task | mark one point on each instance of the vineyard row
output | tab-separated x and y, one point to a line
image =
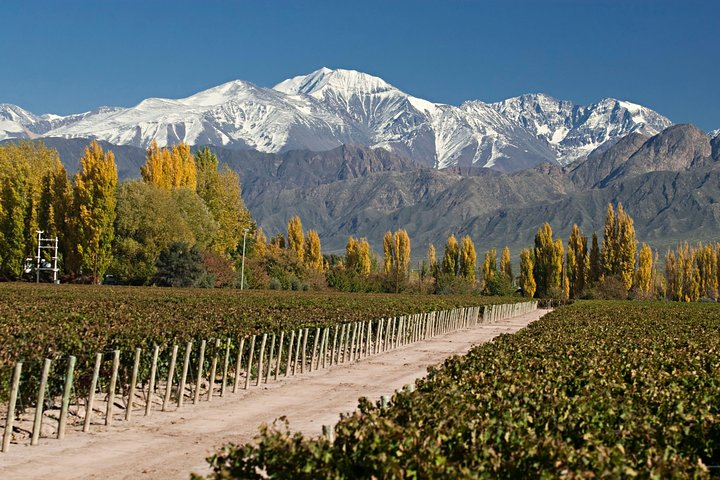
143	380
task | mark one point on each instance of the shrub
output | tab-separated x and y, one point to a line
179	265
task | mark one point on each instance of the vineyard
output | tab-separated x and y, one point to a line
160	348
611	389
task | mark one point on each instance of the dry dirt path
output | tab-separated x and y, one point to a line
173	444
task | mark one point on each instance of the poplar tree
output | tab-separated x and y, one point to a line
260	242
468	260
619	245
400	257
220	189
689	278
595	264
506	264
548	263
432	260
296	238
94	206
489	266
357	256
643	276
609	248
388	252
527	280
672	280
169	168
449	262
577	262
626	247
313	251
706	261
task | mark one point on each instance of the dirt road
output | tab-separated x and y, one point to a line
173	444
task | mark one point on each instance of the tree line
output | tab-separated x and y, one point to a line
184	223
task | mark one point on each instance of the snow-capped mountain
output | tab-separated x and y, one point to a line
573	131
328	108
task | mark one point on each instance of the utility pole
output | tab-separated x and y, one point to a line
242	268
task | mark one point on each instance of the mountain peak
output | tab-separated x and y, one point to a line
346	81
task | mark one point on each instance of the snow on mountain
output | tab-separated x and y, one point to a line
14	122
327	108
573	131
714	133
435	134
236	113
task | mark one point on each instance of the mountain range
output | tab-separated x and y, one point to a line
353	155
328	108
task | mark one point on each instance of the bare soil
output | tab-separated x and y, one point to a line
174	444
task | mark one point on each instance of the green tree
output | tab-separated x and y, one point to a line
150	218
220	190
179	265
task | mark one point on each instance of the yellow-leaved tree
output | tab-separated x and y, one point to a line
357	256
296	238
506	264
527	280
468	260
170	168
489	266
548	262
432	260
313	251
643	276
396	249
449	262
94	206
577	262
260	242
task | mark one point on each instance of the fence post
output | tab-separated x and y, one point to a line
304	350
66	397
183	377
334	344
314	349
213	371
297	351
151	384
290	353
270	358
40	405
250	362
201	361
260	362
238	364
171	373
226	364
91	394
280	351
133	383
111	388
7	434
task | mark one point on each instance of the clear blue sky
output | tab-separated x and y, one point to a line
70	56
